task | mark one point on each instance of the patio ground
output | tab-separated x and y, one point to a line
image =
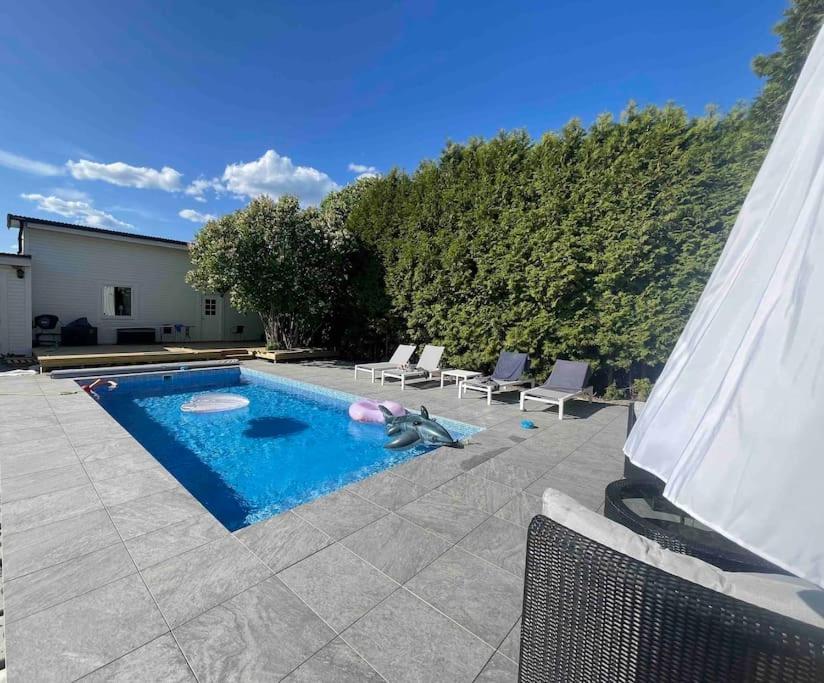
112	570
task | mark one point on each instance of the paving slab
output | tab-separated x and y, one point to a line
159	660
50	586
170	541
283	540
50	544
335	662
481	597
263	634
404	639
188	584
80	635
387	490
396	546
339	513
338	585
443	515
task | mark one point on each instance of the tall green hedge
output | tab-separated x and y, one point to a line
590	243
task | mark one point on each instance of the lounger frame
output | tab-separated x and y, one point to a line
555	400
503	385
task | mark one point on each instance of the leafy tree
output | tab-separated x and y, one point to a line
797	32
277	260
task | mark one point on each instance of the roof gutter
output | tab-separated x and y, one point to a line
12	223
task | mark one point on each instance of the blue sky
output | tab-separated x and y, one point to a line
147	117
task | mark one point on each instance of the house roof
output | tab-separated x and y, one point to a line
11	218
8	254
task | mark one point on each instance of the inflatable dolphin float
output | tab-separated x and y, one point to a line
410	430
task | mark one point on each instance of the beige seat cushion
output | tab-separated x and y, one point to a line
786	595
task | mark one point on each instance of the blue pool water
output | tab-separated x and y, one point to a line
293	443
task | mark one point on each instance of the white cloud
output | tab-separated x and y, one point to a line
196	216
18	163
276	175
197	188
69	193
124	175
362	168
76	209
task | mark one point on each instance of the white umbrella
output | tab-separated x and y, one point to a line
735	424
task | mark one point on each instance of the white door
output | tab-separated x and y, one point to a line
211	317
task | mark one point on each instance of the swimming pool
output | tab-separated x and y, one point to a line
293	443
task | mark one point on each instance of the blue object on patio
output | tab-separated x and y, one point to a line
527	424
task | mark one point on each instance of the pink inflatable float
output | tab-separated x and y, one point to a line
368	411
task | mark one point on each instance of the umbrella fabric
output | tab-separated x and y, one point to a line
735	424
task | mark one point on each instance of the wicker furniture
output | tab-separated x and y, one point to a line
592	613
639	506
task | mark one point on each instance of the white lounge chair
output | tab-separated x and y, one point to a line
508	374
428	366
568	380
400	358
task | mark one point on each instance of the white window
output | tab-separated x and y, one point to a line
209	306
117	301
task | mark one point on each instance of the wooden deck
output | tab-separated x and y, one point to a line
126	354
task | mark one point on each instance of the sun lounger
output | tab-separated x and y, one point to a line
568	380
508	374
400	358
428	366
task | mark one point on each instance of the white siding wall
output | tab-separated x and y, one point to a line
15	309
69	270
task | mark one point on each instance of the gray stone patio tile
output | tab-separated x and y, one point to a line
43	481
26	423
50	544
23	435
478	492
159	660
426	471
340	513
387	490
499	669
405	639
56	645
511	647
334	662
534	460
191	583
108	448
443	515
515	475
28	513
34	456
396	547
260	635
282	540
173	540
338	585
482	598
521	509
153	512
121	465
136	485
48	587
499	542
88	433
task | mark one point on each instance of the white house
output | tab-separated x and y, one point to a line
15	304
117	280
